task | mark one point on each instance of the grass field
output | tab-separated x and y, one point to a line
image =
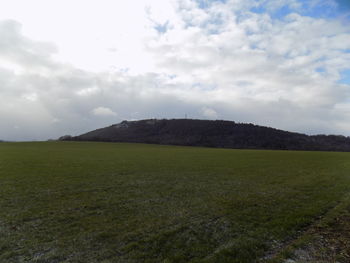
110	202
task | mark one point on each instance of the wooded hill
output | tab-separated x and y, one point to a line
223	134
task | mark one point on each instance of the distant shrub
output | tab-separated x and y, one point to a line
65	138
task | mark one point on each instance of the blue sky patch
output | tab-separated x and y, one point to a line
345	77
320	70
206	3
258	9
282	12
279	13
162	28
322	9
204	87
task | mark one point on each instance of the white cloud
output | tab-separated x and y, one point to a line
31	97
209	113
103	111
88	91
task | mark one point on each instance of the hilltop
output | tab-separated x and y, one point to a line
208	133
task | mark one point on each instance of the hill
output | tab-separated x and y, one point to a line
219	133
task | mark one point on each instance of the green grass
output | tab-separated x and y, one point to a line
111	202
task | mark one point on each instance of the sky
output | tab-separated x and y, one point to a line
68	67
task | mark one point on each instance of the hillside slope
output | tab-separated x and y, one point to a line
223	134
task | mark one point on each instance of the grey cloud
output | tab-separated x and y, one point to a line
16	48
38	106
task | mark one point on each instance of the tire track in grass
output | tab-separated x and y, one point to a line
325	240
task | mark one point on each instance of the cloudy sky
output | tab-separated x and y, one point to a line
67	67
